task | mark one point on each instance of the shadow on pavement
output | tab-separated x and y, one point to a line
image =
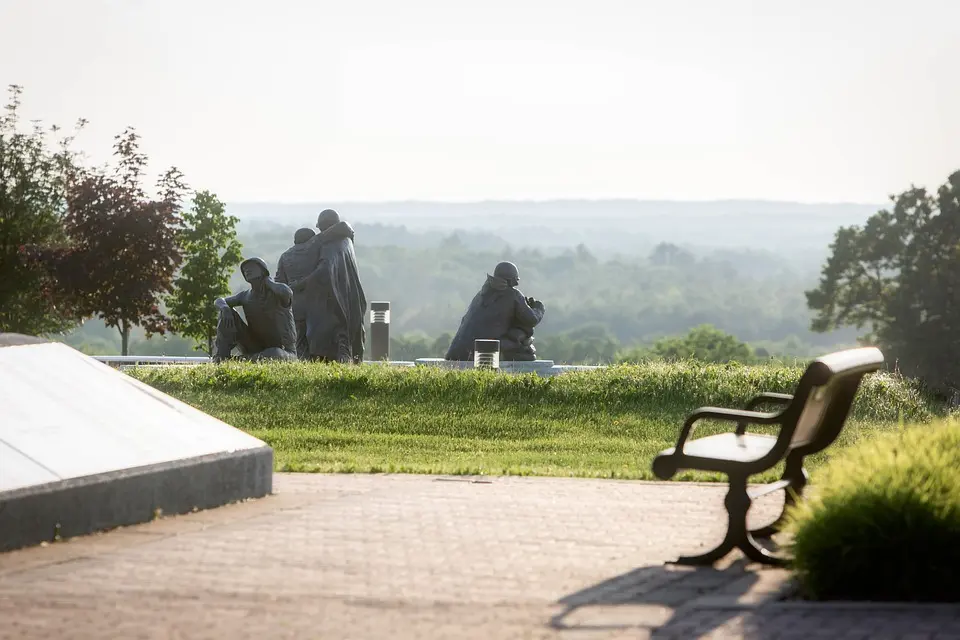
660	599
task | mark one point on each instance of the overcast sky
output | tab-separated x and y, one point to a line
297	100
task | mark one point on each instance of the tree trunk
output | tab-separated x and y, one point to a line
124	337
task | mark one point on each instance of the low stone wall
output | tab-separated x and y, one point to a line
540	367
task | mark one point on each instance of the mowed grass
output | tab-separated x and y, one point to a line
603	423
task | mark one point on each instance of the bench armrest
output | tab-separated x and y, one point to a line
740	416
764	398
769	398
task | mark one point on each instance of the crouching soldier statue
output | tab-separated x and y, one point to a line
499	312
269	332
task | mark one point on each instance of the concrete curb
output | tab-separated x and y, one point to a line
79	506
776	589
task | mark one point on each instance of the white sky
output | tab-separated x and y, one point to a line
293	100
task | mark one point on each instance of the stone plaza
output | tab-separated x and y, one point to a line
404	556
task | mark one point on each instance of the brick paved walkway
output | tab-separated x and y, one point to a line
358	556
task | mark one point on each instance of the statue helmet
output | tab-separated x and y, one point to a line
508	271
327	218
302	235
257	261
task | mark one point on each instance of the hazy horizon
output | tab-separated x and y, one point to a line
374	101
549	200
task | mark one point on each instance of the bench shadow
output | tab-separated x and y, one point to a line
661	599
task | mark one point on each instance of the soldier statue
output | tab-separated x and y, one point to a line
269	331
499	311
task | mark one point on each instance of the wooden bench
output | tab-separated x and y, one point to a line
810	421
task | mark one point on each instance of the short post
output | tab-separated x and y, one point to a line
379	331
486	354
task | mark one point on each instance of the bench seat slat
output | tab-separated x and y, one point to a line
762	490
729	447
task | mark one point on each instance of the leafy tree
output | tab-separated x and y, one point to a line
410	347
590	344
122	250
417	345
166	345
211	249
706	343
899	277
441	344
669	254
32	205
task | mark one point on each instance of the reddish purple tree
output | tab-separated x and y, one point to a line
122	249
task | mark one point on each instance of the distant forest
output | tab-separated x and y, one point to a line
616	283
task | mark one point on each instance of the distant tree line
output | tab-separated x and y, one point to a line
594	344
627	301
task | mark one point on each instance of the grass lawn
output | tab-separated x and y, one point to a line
605	423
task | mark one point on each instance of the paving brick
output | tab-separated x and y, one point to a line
360	556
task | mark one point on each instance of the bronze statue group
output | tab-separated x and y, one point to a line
314	309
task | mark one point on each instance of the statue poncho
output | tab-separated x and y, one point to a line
498	312
333	300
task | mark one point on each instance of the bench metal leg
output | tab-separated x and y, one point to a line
797	475
737	503
757	553
710	557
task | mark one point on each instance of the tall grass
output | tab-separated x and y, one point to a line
608	422
882	521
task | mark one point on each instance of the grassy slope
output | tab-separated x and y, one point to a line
607	423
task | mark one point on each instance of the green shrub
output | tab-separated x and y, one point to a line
882	521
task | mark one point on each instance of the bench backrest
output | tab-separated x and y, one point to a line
824	397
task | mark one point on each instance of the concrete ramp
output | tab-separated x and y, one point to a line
84	447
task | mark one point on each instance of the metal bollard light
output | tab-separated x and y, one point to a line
379	330
486	354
